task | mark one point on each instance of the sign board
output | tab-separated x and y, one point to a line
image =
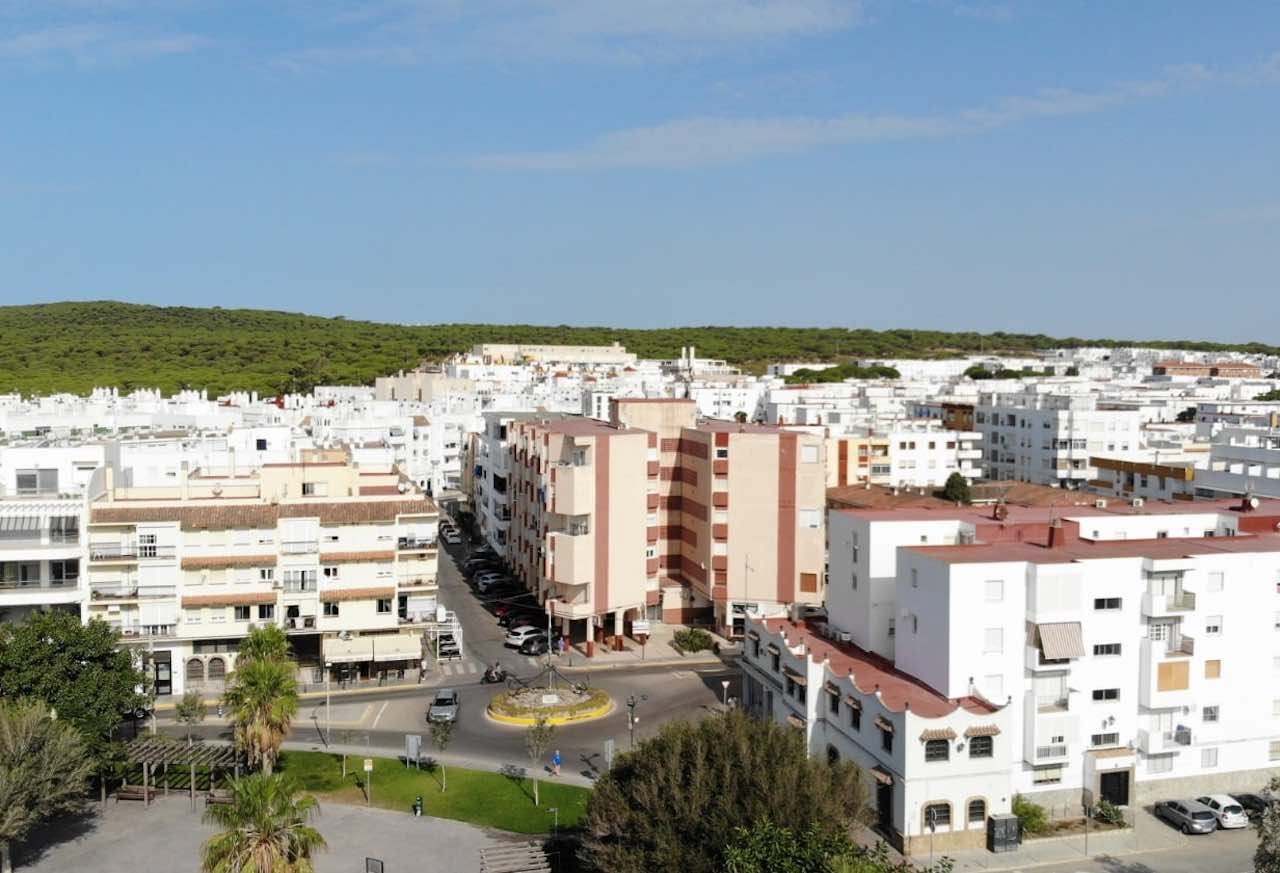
551	699
640	627
373	865
412	747
368	765
608	753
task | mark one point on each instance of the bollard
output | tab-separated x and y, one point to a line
417	806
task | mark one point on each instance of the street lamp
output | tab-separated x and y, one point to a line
631	719
724	683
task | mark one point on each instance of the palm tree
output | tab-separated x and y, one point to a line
266	643
262	699
264	829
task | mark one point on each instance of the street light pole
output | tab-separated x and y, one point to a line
724	683
328	723
631	719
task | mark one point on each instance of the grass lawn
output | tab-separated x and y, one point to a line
490	799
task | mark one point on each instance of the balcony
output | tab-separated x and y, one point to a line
1166	671
417	581
1050	753
300	623
122	591
572	558
1036	661
1162	742
1047	703
574	490
416	544
1168	604
146	631
299	586
299	547
113	551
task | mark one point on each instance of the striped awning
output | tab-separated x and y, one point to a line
852	702
1061	640
774	650
881	775
16	523
884	724
795	676
938	734
982	730
794	720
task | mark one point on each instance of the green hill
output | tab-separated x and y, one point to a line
73	347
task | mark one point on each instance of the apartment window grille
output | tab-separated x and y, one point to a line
1209	758
146	545
1106	603
977	811
331	609
1047	775
981	747
1209	714
1106	649
937	750
1107	739
938	815
1106	694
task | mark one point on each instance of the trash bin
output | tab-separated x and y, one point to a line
1003	833
417	806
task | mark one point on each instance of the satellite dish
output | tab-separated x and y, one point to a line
1254	503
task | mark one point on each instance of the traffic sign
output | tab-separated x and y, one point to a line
368	765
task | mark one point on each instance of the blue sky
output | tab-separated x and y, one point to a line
1077	168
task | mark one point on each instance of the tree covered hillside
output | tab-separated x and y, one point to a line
46	348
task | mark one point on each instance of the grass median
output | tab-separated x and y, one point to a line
497	800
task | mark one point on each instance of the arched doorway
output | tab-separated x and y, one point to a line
195	672
217	670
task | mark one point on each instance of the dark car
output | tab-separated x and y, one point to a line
515	618
535	645
1254	804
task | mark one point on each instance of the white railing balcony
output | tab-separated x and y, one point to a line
300	623
146	631
118	551
1166	604
1050	752
299	547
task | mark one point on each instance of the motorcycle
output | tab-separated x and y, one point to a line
493	675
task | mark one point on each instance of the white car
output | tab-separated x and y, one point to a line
451	536
1229	813
517	635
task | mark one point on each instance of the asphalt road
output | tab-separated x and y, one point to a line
1219	852
379	719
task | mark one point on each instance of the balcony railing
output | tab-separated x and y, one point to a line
299	547
416	582
113	592
112	551
415	543
300	587
1058	751
37	584
1052	703
301	622
135	631
1182	601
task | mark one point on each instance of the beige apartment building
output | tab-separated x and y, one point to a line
659	516
341	557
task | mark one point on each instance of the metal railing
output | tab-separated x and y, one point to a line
32	584
301	622
299	547
1052	703
1182	601
415	543
110	551
1059	751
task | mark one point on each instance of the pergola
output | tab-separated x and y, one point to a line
152	752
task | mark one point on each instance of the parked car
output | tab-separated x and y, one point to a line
1229	813
489	582
516	619
475	566
1188	816
444	707
517	635
535	645
1254	804
447	648
451	537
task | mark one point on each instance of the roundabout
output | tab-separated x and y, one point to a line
558	703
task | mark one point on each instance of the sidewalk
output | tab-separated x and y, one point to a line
657	651
1148	834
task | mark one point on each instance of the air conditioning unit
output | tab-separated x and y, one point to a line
846	637
1099	504
1137	502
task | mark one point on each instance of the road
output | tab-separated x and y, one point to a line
379	719
1219	852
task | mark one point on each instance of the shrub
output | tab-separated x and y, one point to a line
1108	813
1031	816
692	640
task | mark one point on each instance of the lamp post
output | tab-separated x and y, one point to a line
631	719
724	684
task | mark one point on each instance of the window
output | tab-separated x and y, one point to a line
981	747
855	581
331	609
261	445
722	454
1273	751
1160	764
1107	739
37	482
809	454
937	815
1101	603
1276	621
811	518
1215	582
993	641
994	590
1106	649
915	578
384	605
937	750
886	740
977	811
1212	669
892	627
329	572
755	648
242	613
1209	758
315	489
651	552
1209	714
855	717
833	703
266	610
266	574
1213	625
833	754
1047	775
1106	694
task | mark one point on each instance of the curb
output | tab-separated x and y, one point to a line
319	695
521	721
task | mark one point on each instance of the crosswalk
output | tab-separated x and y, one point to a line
521	665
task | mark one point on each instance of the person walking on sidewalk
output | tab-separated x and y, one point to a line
560	644
555	763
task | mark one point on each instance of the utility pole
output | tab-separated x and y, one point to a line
631	719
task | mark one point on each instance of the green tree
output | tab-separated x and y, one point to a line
877	859
441	734
766	847
77	669
537	739
43	769
265	643
1268	396
264	829
674	803
262	699
190	710
1266	858
957	489
1031	816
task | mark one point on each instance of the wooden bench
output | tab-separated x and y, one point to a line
135	792
217	798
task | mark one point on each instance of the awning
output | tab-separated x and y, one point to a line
150	613
982	730
1061	640
753	635
794	720
832	689
16	523
339	651
795	676
938	734
853	702
773	649
881	775
334	595
397	647
884	724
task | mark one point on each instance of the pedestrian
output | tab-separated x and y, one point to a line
560	644
555	763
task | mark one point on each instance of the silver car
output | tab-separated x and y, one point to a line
1188	816
444	707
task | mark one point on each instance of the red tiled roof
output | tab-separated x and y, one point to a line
262	515
218	562
336	594
1085	550
355	557
871	673
228	599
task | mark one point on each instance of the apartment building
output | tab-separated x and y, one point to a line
1049	439
42	513
1208	369
660	516
342	558
1129	653
915	455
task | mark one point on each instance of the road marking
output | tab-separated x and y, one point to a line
378	717
682	674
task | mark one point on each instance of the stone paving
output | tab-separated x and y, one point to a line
128	838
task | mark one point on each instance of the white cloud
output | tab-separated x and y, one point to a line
722	140
93	43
